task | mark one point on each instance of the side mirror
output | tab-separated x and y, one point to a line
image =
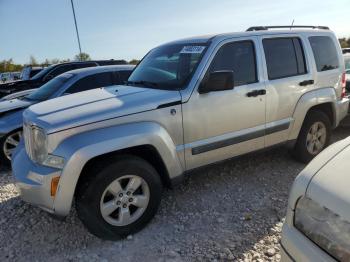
217	81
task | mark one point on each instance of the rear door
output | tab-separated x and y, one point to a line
288	77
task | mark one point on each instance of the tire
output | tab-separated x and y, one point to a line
4	160
303	147
95	193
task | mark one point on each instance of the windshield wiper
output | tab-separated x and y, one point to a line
143	83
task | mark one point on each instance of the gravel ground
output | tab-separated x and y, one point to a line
229	211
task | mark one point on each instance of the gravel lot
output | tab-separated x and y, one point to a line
230	211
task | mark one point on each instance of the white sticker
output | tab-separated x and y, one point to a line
192	49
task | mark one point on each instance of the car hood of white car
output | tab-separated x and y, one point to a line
97	105
330	187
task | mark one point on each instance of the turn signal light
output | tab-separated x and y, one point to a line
54	185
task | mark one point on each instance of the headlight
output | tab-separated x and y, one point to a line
35	139
39	144
325	228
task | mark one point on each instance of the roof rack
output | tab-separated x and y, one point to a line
260	28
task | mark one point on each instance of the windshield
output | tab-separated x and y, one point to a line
168	67
48	89
42	72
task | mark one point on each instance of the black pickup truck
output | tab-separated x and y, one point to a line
50	72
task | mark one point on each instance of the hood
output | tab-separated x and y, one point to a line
97	105
9	88
330	187
7	106
15	83
18	94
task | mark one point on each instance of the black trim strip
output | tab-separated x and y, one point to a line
239	139
278	128
175	103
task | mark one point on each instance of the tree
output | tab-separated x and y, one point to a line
54	61
32	60
344	42
82	57
134	62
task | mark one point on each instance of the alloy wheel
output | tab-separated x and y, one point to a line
11	142
124	200
316	138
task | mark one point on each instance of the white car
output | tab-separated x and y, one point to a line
317	226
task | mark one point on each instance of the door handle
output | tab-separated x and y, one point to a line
307	82
256	93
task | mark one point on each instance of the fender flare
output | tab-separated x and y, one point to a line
79	149
307	101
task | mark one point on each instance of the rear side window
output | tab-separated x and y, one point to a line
325	53
284	57
240	58
91	82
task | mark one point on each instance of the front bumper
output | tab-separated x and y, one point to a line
342	109
297	247
33	181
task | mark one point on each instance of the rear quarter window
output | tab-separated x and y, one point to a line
325	53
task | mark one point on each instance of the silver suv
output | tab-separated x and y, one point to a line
189	103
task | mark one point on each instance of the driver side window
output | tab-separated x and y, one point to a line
238	57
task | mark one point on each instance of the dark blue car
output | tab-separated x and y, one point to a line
68	83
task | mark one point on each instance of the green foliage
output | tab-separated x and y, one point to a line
9	66
134	62
82	57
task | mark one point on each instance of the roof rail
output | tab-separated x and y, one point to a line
260	28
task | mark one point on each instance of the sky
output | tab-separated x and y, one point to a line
129	29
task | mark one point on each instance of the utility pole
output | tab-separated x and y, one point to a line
76	29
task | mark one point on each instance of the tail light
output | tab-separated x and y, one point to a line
343	85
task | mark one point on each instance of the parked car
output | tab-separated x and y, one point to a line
48	73
346	50
5	76
187	104
30	71
9	76
67	83
317	226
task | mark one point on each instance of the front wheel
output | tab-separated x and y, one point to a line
8	144
314	136
119	199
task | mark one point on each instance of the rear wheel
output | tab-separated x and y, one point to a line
8	144
314	136
119	199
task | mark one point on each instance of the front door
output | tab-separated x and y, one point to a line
222	124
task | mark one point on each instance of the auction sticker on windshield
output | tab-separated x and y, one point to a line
192	49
